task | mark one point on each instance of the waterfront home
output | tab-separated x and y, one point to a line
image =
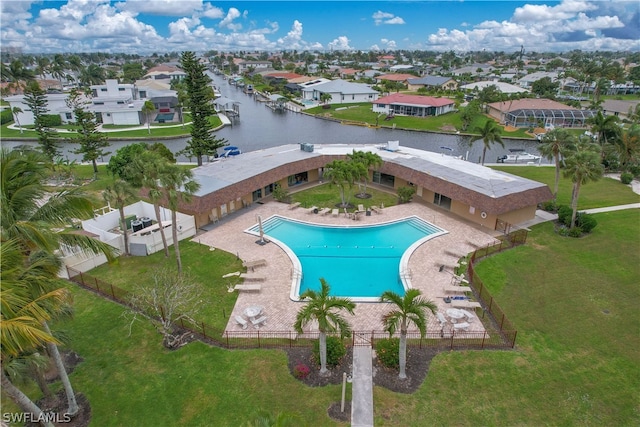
413	105
528	113
341	91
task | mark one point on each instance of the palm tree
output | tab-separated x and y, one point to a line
489	134
605	127
408	309
147	108
15	111
554	144
119	194
582	165
16	74
24	312
178	185
369	160
325	310
343	174
151	166
35	224
628	147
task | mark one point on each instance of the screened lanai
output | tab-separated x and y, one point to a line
556	117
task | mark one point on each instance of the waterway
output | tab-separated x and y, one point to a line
259	127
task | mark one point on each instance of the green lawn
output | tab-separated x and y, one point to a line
328	195
361	112
604	192
157	130
204	267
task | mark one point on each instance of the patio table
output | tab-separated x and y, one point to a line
253	311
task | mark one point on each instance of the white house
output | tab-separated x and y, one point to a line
413	105
56	104
254	65
341	91
117	103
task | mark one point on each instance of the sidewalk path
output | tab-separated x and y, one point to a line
362	387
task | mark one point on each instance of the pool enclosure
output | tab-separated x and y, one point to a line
523	118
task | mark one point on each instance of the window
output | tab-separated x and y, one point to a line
103	89
268	189
121	102
121	89
299	178
257	194
68	116
383	179
442	201
98	103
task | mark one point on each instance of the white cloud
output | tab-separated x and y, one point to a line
340	43
389	44
227	22
161	7
387	18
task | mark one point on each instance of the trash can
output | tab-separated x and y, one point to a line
368	212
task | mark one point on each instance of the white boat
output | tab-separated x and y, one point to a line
518	155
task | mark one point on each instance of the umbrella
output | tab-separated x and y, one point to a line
446	148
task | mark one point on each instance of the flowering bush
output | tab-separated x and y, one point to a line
301	371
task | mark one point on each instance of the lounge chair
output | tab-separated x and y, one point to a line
313	209
361	208
255	288
461	326
375	209
441	319
325	211
454	288
249	277
255	263
259	321
242	322
294	205
335	212
468	315
465	304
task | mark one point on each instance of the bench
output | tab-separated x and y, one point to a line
259	321
242	322
452	288
248	288
441	319
294	205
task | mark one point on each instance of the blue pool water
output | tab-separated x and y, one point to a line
359	262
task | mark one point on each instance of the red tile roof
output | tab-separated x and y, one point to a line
393	77
400	98
287	76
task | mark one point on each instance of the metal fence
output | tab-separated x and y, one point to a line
499	332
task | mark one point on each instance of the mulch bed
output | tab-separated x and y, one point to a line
418	361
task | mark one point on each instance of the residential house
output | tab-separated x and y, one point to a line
395	77
56	104
432	82
247	66
528	80
117	103
500	86
474	70
619	108
166	72
413	105
531	113
341	91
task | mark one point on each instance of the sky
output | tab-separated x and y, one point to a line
148	26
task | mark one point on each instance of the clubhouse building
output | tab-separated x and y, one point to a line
493	199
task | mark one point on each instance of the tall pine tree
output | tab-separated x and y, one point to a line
36	98
92	143
200	94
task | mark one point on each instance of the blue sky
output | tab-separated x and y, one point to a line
146	26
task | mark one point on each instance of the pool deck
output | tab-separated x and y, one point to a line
424	264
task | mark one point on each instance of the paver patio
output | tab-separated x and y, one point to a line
424	264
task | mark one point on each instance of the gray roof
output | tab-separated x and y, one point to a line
492	183
429	80
341	86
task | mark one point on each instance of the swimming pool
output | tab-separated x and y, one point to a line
359	262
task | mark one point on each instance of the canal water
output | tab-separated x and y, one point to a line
259	127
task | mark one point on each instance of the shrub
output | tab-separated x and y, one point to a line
51	120
301	371
550	206
586	222
279	193
575	232
405	194
335	351
626	178
388	352
564	215
6	117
